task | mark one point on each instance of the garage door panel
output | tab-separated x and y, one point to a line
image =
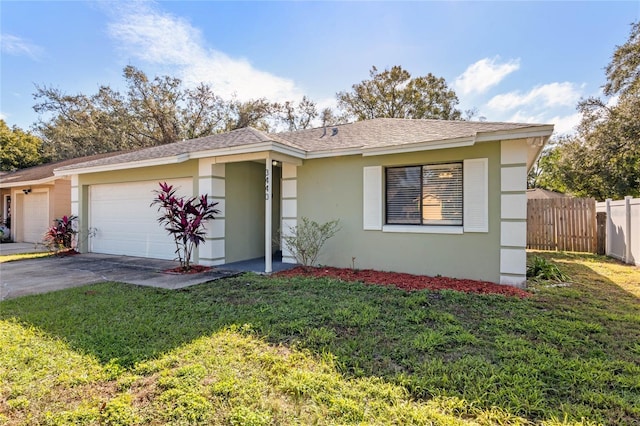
125	223
35	216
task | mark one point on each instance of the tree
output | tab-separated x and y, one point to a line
299	117
254	113
152	112
18	149
603	159
394	94
623	73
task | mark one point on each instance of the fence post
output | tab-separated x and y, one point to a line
601	232
609	226
627	230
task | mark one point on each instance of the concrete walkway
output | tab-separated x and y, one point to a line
42	275
19	248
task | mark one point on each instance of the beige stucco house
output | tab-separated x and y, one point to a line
419	196
33	197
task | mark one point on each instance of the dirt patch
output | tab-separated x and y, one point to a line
404	281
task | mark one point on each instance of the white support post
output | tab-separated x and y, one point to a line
627	229
268	177
609	228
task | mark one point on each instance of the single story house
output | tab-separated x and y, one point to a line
544	194
31	198
419	196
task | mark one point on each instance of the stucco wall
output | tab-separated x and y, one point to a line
244	215
333	188
60	199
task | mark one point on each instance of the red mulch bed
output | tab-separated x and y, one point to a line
66	252
195	269
404	281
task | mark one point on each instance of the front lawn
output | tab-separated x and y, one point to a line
255	350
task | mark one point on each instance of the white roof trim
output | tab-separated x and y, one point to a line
419	146
247	149
180	158
45	181
523	133
333	153
174	159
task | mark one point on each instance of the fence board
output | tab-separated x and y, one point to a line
565	224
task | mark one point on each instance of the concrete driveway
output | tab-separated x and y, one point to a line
33	276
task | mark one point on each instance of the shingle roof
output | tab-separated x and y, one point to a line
235	138
376	133
382	132
43	172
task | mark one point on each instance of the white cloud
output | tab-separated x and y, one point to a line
565	125
13	45
166	40
562	124
484	74
613	101
549	95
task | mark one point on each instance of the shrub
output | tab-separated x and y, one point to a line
184	219
541	269
61	236
307	238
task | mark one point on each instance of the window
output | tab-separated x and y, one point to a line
424	195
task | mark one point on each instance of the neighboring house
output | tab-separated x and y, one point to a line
544	194
419	196
32	198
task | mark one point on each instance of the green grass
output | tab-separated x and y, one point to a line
253	350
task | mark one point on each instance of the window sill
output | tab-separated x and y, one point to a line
417	229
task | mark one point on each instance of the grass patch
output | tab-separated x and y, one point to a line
259	350
23	256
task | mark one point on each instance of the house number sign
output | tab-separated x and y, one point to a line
266	184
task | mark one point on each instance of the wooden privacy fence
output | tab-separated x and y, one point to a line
566	224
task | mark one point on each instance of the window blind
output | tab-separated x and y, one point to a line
424	195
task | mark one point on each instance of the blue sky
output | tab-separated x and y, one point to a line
513	61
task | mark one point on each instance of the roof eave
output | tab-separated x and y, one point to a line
174	159
180	158
43	181
520	133
248	149
419	146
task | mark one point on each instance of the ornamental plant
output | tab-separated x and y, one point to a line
306	239
61	236
184	219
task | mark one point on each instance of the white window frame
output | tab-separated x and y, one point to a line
457	168
475	202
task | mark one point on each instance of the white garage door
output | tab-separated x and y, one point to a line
35	216
126	224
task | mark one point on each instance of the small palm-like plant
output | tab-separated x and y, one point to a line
61	236
184	219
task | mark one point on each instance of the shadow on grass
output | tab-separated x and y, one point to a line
568	350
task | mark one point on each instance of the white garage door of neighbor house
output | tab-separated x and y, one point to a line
124	222
35	216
